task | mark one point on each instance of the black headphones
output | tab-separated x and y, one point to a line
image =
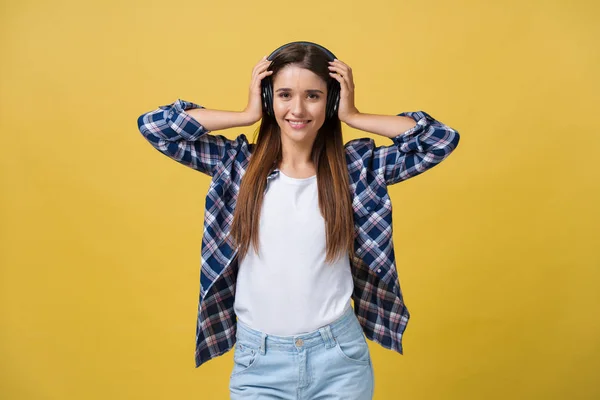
333	87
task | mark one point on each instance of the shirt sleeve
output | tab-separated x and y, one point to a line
176	134
415	151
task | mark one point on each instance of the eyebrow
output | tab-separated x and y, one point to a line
306	91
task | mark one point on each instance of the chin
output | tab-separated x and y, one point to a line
297	135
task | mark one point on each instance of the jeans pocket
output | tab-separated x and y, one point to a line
353	348
244	358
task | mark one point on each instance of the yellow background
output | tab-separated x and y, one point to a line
497	248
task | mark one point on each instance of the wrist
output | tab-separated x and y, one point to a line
351	119
245	119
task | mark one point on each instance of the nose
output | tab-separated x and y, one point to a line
297	107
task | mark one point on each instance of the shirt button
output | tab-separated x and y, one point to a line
368	208
379	270
299	342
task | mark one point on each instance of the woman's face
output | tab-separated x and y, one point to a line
299	95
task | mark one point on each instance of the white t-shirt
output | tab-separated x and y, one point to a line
290	289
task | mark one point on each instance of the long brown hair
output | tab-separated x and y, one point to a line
328	156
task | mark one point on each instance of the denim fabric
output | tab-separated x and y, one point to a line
332	362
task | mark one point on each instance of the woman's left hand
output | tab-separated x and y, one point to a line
343	74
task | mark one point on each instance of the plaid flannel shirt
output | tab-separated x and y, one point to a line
377	297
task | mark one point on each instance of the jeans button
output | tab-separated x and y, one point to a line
299	342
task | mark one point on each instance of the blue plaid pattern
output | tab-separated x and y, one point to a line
377	297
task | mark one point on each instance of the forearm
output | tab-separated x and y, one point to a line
214	120
385	125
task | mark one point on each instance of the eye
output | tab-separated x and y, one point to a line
286	95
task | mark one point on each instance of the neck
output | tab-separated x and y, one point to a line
296	155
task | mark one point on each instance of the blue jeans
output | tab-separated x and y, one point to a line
332	362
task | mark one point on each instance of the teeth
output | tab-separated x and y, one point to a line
298	122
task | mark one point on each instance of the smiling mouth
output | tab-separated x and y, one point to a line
298	124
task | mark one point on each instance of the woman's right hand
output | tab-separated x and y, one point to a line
254	108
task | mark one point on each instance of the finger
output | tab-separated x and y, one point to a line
346	74
262	62
347	81
258	78
340	79
336	69
339	69
263	74
336	61
264	65
260	67
343	73
339	64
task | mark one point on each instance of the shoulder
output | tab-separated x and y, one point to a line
361	153
239	146
358	148
362	164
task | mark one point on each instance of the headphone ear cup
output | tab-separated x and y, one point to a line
267	95
336	101
333	99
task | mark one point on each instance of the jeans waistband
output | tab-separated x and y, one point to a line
263	341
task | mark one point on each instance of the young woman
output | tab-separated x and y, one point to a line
297	253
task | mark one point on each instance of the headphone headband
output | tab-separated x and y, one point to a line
329	53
